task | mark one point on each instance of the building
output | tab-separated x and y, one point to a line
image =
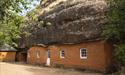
93	55
7	53
73	32
37	55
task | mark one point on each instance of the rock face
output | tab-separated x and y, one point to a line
68	21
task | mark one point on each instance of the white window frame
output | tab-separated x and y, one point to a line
61	56
38	54
83	57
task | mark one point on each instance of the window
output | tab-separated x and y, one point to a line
83	53
48	53
62	54
38	54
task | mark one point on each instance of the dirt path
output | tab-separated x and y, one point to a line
13	69
20	69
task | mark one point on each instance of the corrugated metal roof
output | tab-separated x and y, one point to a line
7	47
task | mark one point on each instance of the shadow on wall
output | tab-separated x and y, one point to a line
21	57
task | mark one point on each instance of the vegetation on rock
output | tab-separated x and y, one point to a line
115	29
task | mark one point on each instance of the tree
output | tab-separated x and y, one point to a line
115	30
10	30
8	7
10	20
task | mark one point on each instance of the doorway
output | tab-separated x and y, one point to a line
48	58
22	57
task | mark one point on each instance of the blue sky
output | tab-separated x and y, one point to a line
31	7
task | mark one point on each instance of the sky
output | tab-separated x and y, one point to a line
31	7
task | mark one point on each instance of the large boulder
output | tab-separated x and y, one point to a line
68	21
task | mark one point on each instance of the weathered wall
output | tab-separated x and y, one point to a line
109	50
32	56
7	56
98	57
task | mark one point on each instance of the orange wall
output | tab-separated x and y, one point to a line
96	55
99	55
32	56
7	56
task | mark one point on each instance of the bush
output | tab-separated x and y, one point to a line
115	28
120	54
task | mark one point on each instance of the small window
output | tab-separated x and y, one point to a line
38	54
83	53
62	54
48	53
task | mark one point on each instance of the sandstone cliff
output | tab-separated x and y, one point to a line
67	21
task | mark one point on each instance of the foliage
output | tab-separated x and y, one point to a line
116	27
10	21
30	21
120	53
115	30
32	15
8	7
9	31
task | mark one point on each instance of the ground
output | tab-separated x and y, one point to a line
25	69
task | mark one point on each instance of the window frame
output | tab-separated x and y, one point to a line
48	54
61	54
83	57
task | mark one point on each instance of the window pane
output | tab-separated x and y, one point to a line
48	53
62	54
83	53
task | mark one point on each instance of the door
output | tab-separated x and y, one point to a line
48	58
22	57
